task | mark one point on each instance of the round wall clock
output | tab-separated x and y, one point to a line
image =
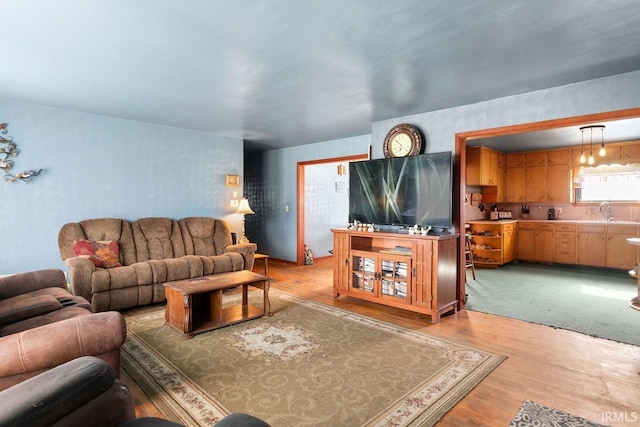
402	140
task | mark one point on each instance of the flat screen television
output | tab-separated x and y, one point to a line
403	191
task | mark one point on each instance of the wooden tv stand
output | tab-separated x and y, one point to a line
412	272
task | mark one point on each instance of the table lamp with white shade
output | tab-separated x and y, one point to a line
244	209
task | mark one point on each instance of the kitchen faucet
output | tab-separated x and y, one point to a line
608	205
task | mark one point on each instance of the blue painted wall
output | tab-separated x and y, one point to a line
278	190
98	167
593	96
607	94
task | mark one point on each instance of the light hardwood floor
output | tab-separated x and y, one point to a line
590	377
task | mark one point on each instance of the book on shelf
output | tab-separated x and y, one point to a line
399	250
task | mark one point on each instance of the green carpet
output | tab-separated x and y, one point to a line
591	301
307	365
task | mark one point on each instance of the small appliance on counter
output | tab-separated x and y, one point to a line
554	214
493	214
504	215
524	213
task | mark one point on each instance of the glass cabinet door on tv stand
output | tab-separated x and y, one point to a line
379	275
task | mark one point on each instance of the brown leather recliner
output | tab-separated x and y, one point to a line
83	392
43	325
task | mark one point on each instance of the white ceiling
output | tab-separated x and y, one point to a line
280	73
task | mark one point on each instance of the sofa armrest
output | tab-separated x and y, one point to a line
247	250
30	352
84	391
23	283
80	271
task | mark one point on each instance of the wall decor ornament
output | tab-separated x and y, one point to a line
9	149
233	180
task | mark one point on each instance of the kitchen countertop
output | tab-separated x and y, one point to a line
560	221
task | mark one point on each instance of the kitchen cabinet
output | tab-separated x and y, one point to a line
558	184
515	160
535	241
631	152
496	193
514	184
618	252
535	184
501	187
591	245
492	242
526	242
558	157
482	166
415	273
607	246
565	244
535	158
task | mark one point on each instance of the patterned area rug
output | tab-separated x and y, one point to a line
532	414
307	365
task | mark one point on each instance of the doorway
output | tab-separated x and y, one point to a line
460	167
333	186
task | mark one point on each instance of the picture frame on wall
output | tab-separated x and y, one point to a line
233	180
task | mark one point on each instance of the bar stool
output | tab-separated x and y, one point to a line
468	255
635	302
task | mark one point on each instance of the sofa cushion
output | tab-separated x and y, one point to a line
157	238
205	236
25	306
44	319
103	253
98	229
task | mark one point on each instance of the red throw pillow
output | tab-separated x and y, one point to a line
103	253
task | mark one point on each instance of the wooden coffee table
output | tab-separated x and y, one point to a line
195	305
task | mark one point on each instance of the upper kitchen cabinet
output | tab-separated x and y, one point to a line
558	176
535	178
514	185
558	157
630	153
482	166
538	177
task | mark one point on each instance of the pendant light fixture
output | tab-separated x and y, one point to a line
591	160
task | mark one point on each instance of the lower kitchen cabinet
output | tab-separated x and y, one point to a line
607	246
591	245
619	253
493	243
535	241
565	244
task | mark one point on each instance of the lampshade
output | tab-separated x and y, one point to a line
244	208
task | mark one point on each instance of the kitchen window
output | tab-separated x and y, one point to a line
616	183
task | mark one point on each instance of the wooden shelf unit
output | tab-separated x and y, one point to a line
422	278
492	242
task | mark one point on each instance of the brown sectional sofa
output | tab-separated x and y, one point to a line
152	251
42	325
